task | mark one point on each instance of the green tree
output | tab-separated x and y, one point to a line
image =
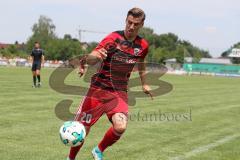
165	46
169	41
43	32
13	51
148	34
4	52
62	49
67	37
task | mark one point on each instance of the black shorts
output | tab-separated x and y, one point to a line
36	66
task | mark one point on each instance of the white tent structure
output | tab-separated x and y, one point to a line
235	53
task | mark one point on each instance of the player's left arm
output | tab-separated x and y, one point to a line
31	58
142	73
42	59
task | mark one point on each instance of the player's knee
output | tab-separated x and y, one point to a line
120	128
119	122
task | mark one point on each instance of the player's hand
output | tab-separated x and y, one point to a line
146	89
103	53
81	71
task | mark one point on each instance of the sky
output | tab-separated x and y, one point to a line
212	25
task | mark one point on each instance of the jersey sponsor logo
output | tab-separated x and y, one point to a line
124	60
136	51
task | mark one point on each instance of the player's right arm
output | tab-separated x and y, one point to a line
93	58
96	56
31	57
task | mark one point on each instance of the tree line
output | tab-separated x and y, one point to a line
162	46
166	46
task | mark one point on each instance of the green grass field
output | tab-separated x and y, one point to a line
29	126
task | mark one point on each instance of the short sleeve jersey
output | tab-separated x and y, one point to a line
122	55
37	54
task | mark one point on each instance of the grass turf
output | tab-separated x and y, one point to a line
205	110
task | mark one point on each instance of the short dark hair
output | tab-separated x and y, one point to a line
137	13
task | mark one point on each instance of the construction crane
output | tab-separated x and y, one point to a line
80	31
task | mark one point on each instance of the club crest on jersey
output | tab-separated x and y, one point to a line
136	51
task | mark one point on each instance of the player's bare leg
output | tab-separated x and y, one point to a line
38	78
34	79
74	150
113	134
120	121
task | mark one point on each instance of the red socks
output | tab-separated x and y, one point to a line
109	138
74	151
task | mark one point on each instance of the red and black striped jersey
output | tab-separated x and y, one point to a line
122	55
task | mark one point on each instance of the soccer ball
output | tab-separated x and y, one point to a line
72	133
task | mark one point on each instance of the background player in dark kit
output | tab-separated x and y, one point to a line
37	57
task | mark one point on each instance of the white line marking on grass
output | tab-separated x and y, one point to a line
205	148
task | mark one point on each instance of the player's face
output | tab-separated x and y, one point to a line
37	45
132	26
